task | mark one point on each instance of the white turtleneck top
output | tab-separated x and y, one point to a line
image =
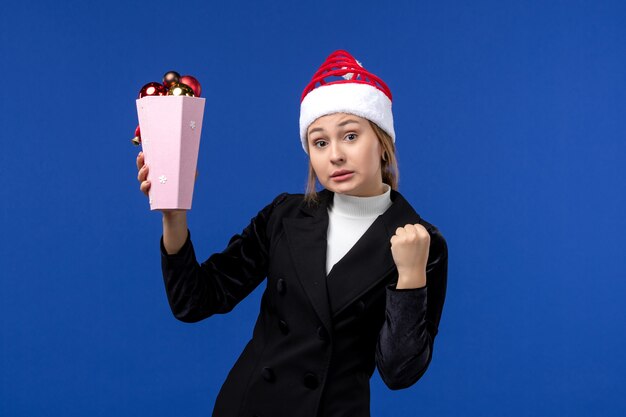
348	219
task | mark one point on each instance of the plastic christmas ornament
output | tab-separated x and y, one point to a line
153	89
193	83
137	139
180	89
170	78
173	85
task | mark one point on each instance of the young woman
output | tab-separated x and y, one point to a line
356	279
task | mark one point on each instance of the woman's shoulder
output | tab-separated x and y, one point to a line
437	240
285	205
408	207
299	200
287	200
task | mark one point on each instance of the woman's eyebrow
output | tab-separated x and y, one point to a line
345	122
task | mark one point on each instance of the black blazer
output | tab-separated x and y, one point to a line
317	338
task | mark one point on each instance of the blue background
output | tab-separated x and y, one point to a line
510	133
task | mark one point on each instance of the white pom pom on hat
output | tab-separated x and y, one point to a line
359	92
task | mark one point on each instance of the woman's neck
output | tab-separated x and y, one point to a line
354	206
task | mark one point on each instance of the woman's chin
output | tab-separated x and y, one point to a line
339	188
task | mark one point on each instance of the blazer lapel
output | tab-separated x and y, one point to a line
369	261
306	237
365	265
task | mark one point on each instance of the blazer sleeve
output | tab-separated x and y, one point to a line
405	342
197	291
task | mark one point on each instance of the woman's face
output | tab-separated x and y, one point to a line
345	154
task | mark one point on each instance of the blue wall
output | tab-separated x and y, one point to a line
511	127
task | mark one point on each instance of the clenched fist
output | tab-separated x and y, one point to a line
409	248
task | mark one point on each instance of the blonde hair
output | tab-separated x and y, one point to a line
388	166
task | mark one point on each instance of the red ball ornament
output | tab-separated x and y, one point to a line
170	78
180	89
153	89
193	83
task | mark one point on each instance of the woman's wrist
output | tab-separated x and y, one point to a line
172	216
412	280
174	230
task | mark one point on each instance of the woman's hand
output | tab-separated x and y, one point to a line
409	248
142	176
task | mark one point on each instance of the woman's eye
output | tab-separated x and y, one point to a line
351	136
320	144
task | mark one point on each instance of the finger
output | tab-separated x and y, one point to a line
145	187
400	231
421	231
140	160
142	175
412	230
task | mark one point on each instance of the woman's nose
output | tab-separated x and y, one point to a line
336	153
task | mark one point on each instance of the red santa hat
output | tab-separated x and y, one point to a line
342	85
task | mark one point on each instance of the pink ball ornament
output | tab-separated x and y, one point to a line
193	83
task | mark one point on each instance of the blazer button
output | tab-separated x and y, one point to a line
311	381
322	333
283	326
359	307
268	375
281	286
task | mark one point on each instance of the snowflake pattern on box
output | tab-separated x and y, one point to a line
192	125
163	179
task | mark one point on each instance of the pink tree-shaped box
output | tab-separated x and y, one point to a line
170	137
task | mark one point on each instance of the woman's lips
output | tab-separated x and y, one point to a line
342	177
